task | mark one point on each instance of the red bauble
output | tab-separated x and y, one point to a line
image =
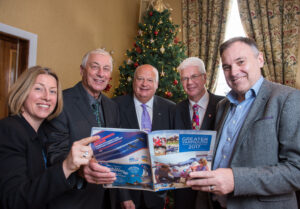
150	13
175	82
107	88
155	33
168	94
176	40
136	64
138	50
134	44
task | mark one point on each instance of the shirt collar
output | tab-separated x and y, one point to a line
149	104
202	102
252	92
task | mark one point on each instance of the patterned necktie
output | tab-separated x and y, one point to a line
196	121
146	121
96	113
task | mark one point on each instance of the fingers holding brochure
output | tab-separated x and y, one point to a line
98	174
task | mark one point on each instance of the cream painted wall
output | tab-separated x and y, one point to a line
68	29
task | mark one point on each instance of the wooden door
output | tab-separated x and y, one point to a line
13	61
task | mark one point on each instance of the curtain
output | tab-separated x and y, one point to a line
274	25
203	32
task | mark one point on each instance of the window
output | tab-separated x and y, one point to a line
233	28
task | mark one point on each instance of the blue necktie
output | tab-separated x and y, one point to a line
146	121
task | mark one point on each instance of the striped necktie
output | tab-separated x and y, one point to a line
196	118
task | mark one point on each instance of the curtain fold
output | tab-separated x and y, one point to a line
274	25
203	32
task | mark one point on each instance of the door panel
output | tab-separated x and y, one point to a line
13	61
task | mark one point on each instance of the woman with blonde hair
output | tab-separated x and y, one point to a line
25	179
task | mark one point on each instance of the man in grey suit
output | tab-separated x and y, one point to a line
145	84
193	79
257	155
84	107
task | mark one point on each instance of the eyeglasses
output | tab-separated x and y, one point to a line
192	78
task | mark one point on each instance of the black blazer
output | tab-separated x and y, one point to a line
24	181
74	123
185	198
161	120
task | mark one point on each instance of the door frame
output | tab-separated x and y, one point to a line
25	35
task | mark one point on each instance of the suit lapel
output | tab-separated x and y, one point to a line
208	116
156	118
81	102
131	115
220	124
107	111
185	114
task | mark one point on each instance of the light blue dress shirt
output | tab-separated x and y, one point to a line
234	121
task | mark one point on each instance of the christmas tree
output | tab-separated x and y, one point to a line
156	44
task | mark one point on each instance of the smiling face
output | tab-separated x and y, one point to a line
241	67
193	82
41	100
96	74
145	83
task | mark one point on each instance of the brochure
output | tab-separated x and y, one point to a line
159	160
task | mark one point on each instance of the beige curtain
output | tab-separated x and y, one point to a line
274	25
203	32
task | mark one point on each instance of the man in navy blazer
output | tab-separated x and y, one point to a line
193	79
257	155
144	87
84	107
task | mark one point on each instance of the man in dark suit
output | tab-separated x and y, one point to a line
159	109
84	107
193	79
257	155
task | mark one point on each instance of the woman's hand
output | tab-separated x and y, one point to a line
80	154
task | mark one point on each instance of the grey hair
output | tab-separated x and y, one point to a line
96	51
192	61
154	68
250	42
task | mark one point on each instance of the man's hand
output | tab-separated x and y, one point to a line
128	204
97	174
219	181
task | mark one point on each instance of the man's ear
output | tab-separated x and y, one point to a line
261	59
81	70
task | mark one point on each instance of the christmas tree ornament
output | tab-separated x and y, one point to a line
151	40
151	13
176	40
175	82
107	88
162	74
129	61
136	64
168	94
155	33
162	49
159	5
138	50
129	79
140	32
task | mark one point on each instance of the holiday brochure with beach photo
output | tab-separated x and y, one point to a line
159	160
